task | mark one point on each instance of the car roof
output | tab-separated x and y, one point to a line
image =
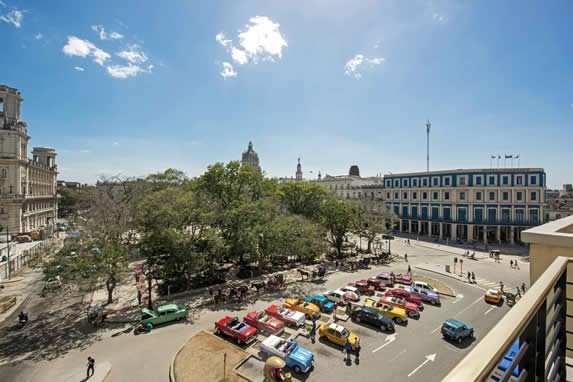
336	327
272	341
456	323
319	298
148	311
163	308
492	291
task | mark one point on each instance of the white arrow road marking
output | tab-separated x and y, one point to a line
389	339
458	298
490	309
429	357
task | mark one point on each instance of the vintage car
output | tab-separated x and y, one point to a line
406	295
296	357
163	314
367	315
425	286
241	332
426	295
325	305
395	313
264	323
363	287
411	309
493	295
289	317
386	278
310	310
336	296
337	334
354	294
456	330
379	285
403	279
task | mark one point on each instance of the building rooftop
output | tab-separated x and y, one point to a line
466	170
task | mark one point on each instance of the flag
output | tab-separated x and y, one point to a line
508	156
498	156
517	156
493	157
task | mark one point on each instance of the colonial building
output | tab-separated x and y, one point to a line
28	199
251	157
559	203
350	186
488	205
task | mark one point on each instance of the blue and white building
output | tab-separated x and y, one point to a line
485	205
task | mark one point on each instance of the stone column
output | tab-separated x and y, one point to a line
485	234
419	228
409	226
498	233
511	234
454	231
441	231
470	232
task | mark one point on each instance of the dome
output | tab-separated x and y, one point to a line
354	171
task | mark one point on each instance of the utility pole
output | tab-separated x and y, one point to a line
428	125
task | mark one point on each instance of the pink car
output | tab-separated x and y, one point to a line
411	309
403	279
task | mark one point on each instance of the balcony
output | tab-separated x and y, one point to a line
539	326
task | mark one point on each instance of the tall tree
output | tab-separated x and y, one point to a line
339	218
374	219
303	198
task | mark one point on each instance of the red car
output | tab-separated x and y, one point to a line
264	322
411	309
376	283
241	332
363	287
403	279
398	292
289	317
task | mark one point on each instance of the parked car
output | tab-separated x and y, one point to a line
325	305
387	278
309	310
241	332
363	287
406	295
397	314
264	323
403	279
295	356
53	283
493	295
336	296
456	330
425	286
289	317
163	314
373	317
426	295
354	294
378	284
411	309
337	334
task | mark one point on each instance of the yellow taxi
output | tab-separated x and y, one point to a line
395	313
493	295
337	334
309	309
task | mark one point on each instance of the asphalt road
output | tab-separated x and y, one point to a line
411	353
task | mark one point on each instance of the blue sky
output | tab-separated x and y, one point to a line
130	87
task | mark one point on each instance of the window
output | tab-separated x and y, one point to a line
462	215
505	180
405	195
519	180
414	195
519	195
447	181
396	183
415	183
424	212
425	182
533	180
478	195
462	181
478	215
435	213
405	182
533	217
519	216
491	215
424	195
336	186
3	173
478	180
414	212
387	195
462	195
505	215
435	181
491	180
397	210
446	195
404	211
447	214
533	195
492	195
348	195
396	195
435	195
505	195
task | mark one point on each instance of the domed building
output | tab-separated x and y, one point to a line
251	157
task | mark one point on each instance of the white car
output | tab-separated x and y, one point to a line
352	289
336	296
295	356
424	286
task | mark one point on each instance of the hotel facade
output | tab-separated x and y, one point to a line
475	205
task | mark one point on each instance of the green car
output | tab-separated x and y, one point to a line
163	314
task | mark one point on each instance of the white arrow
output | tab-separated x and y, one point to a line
459	298
389	339
429	357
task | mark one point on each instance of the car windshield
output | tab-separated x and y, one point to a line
345	333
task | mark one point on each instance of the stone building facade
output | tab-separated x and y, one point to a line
28	198
559	203
251	157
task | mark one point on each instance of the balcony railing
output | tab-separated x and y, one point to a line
539	323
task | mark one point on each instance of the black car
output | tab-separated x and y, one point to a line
372	317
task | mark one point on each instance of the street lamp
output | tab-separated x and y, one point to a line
7	248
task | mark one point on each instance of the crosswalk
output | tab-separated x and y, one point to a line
495	285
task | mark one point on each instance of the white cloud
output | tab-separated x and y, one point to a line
133	54
129	70
351	68
262	39
439	18
13	17
220	38
79	69
103	35
84	151
38	36
239	56
227	70
116	143
84	48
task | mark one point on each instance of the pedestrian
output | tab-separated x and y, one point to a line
511	263
91	366
348	350
409	270
501	286
313	331
406	257
139	297
357	351
336	263
523	287
334	318
516	265
473	277
469	277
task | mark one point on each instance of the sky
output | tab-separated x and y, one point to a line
133	87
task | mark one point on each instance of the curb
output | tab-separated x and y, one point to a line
439	249
443	274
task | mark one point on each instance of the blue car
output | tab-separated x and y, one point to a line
296	357
325	305
456	330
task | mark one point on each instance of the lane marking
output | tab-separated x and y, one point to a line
429	357
389	339
458	298
490	309
397	355
469	306
435	330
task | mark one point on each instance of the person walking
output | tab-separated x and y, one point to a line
501	286
139	297
511	264
357	351
473	277
347	350
523	287
313	331
91	367
409	270
469	277
334	318
406	257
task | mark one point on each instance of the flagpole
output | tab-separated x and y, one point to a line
498	158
